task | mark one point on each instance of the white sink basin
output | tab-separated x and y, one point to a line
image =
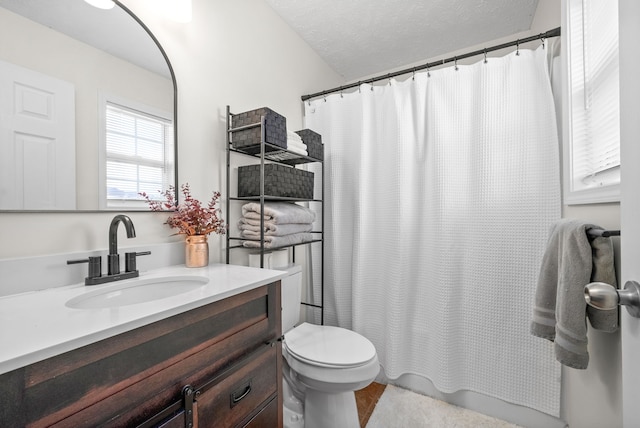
136	291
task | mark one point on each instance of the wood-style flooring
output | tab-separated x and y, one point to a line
366	400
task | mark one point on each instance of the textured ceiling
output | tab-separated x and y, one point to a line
358	38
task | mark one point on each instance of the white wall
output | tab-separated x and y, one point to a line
233	52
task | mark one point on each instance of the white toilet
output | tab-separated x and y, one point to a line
322	366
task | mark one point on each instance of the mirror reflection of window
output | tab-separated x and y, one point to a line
139	153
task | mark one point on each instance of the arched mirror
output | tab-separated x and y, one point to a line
87	108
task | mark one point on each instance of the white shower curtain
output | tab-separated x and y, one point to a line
439	194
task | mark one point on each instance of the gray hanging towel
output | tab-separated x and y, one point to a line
603	271
570	262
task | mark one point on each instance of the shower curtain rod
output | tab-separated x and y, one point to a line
551	33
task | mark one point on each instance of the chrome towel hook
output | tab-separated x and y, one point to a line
601	295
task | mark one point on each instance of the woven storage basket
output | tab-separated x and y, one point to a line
248	140
313	140
279	180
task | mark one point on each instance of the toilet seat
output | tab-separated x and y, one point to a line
328	346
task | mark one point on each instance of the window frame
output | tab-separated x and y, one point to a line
602	194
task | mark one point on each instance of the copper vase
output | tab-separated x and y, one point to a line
196	251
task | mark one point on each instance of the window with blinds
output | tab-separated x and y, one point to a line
139	155
593	101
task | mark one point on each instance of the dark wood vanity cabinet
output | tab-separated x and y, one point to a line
215	366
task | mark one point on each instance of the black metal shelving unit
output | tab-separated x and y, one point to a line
266	153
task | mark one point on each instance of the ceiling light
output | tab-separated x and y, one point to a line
102	4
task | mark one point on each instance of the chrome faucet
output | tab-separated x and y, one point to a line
113	259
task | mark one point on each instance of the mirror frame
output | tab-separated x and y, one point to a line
175	130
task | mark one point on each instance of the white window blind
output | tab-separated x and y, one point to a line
593	81
139	154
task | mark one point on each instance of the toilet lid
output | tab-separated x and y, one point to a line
328	346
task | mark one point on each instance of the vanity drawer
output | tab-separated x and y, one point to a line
235	395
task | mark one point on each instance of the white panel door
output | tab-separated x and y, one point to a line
37	141
629	11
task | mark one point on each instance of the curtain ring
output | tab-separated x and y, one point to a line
414	74
428	72
485	55
456	63
309	102
542	39
518	47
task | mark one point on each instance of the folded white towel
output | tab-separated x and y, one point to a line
293	136
280	241
296	144
298	151
279	212
295	141
250	230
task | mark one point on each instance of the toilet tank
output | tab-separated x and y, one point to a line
291	295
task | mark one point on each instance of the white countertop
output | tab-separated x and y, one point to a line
38	325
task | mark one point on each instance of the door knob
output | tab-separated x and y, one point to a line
604	296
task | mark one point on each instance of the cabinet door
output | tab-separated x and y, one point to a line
240	395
